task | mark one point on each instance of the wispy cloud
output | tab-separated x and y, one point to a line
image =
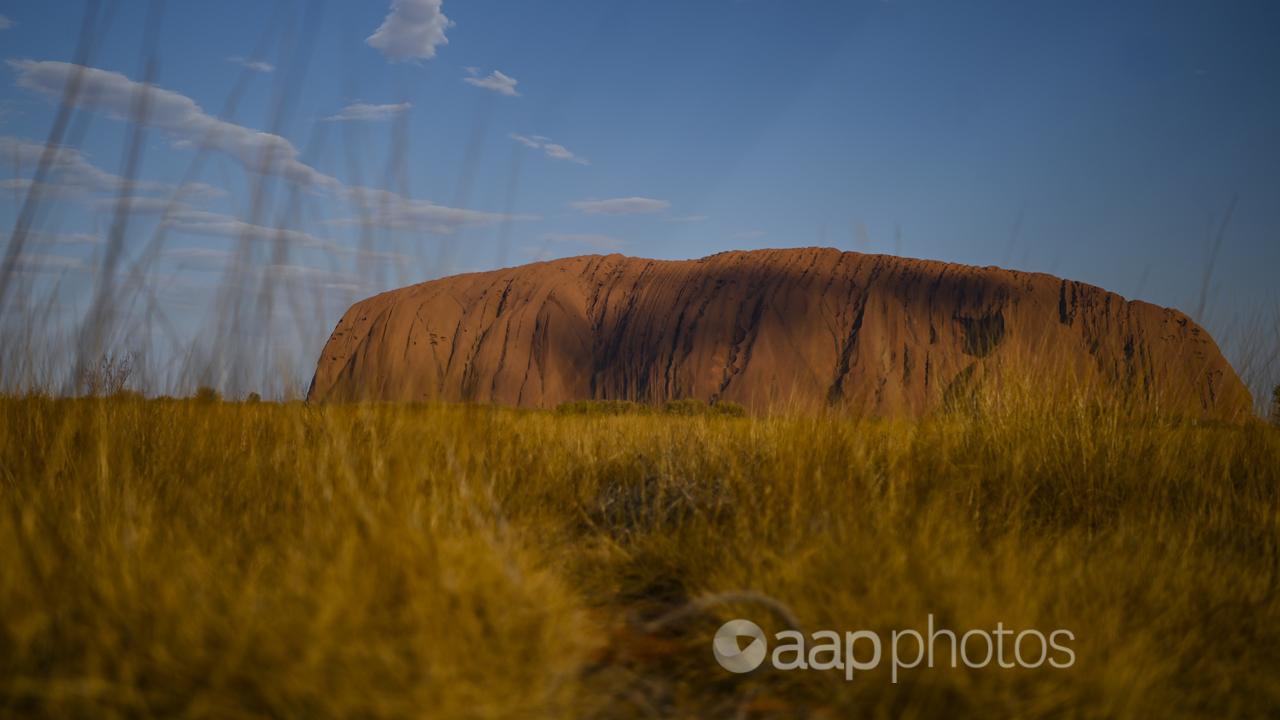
5	23
526	141
68	168
621	206
173	113
686	218
496	81
210	224
412	30
552	150
254	65
72	177
199	259
601	242
142	205
383	209
182	119
365	111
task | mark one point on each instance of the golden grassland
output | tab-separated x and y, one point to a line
208	559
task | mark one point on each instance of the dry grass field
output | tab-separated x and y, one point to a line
194	193
198	558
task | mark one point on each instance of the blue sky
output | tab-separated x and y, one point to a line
1100	141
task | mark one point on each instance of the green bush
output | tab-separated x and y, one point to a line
1275	406
253	398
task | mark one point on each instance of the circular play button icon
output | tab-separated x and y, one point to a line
730	650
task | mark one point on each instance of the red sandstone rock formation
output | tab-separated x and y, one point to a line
802	328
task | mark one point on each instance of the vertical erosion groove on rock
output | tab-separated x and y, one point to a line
770	329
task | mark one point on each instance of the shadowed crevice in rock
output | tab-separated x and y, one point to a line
771	329
982	334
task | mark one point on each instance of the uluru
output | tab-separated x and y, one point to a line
769	329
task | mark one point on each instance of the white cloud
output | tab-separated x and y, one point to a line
621	206
5	23
199	259
496	81
365	111
413	29
602	242
72	177
553	150
560	152
181	118
199	222
384	209
165	206
141	205
254	65
526	141
68	167
175	114
344	287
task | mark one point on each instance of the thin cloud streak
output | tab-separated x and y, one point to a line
621	206
552	150
366	111
254	65
496	81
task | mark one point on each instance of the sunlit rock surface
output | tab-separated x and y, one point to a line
770	329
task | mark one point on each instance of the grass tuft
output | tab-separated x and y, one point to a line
189	558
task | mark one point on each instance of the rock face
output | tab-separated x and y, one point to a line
797	328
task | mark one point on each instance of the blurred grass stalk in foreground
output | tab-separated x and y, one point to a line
279	286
